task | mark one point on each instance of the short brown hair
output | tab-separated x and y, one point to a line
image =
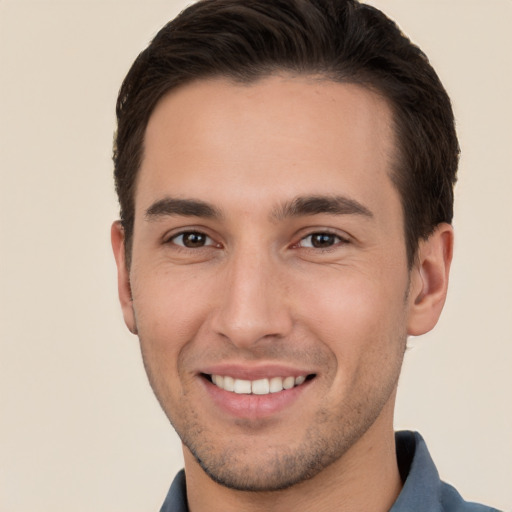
343	40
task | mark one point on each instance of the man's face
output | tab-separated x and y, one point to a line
269	247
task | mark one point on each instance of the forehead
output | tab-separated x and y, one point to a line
271	140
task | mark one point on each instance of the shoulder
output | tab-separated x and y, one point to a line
452	501
423	490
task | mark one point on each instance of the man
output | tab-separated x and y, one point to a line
285	173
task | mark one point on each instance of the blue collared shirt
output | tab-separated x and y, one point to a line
423	491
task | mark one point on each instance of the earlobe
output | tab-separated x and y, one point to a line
429	280
123	276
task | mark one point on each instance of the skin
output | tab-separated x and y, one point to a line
256	290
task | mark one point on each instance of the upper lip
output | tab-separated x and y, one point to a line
255	372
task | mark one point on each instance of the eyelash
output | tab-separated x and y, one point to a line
327	234
173	240
339	240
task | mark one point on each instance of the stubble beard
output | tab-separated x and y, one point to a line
281	467
327	439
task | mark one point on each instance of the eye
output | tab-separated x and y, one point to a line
321	241
192	240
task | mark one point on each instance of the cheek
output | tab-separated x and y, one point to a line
169	309
363	327
356	316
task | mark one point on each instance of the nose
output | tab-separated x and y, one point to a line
253	304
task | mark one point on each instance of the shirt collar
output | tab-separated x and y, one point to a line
422	485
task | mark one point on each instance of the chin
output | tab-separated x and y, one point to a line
251	468
276	473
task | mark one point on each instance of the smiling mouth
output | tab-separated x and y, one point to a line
259	386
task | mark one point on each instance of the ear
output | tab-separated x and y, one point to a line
429	280
123	276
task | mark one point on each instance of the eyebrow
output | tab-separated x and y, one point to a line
315	205
181	207
299	206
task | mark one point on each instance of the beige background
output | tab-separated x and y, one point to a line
79	427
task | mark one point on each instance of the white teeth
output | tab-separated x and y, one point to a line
256	387
289	382
260	387
276	384
229	383
242	386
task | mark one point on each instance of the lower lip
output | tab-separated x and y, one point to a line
254	406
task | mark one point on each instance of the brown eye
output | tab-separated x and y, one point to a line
192	240
320	241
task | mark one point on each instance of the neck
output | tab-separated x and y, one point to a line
365	478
